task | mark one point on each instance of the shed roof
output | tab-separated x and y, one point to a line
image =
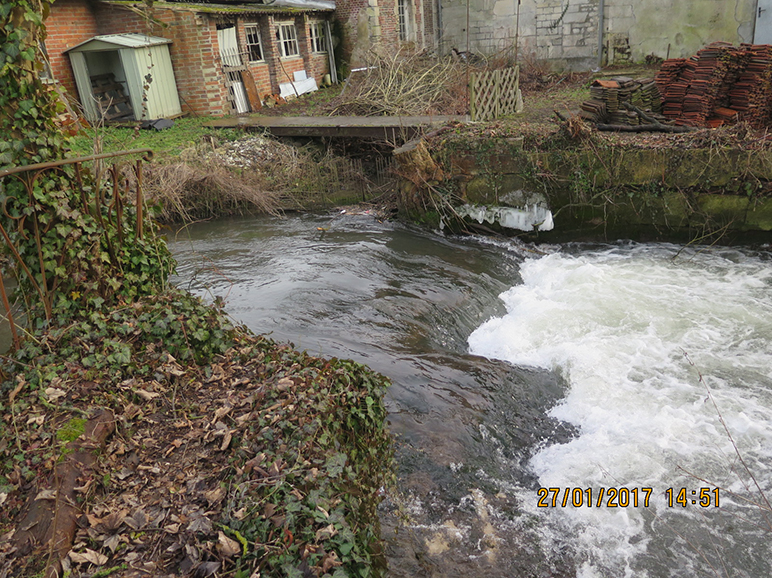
111	41
227	7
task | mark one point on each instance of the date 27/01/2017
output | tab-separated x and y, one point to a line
624	497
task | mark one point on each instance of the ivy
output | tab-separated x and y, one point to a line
72	240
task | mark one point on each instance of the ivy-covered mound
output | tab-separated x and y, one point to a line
260	461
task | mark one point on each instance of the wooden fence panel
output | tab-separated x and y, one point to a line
494	93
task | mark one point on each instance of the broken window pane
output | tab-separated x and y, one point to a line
254	45
288	40
316	33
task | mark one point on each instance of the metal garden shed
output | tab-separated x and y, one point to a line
125	77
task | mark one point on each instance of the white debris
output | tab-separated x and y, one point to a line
529	218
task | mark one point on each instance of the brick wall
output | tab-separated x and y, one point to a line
348	13
194	50
195	60
375	24
69	23
282	69
261	70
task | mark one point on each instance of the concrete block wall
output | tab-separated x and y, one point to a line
682	28
567	32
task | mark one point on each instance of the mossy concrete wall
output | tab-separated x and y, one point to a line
613	193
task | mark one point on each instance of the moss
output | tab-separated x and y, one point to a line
759	215
71	430
613	191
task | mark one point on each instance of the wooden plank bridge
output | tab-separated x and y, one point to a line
388	128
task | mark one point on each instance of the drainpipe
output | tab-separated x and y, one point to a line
438	34
601	25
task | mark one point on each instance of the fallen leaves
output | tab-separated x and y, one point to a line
227	547
209	465
54	393
88	556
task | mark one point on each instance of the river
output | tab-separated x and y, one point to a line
637	370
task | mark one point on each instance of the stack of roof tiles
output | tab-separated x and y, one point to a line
720	84
608	98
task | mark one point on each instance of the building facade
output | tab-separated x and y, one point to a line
388	25
226	57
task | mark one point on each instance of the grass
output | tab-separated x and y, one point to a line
192	175
188	132
167	144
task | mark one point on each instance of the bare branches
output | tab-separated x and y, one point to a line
403	84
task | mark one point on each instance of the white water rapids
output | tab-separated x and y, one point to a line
644	336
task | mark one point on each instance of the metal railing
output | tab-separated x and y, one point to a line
29	222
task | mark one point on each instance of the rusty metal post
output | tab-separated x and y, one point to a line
33	172
45	294
140	200
9	313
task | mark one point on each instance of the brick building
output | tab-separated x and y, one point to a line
386	24
226	57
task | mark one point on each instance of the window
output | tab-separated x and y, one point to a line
44	72
403	15
288	40
316	33
254	46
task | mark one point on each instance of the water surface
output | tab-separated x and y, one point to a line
517	368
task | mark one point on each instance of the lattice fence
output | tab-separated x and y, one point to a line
495	93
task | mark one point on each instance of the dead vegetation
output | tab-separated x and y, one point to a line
186	192
254	174
404	84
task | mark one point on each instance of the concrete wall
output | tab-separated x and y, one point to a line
666	194
566	32
685	26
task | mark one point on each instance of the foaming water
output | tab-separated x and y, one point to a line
648	338
592	386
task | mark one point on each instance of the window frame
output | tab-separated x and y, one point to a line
317	37
248	44
286	42
404	20
45	73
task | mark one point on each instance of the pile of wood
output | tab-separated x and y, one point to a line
721	84
620	101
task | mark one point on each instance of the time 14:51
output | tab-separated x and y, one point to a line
703	497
